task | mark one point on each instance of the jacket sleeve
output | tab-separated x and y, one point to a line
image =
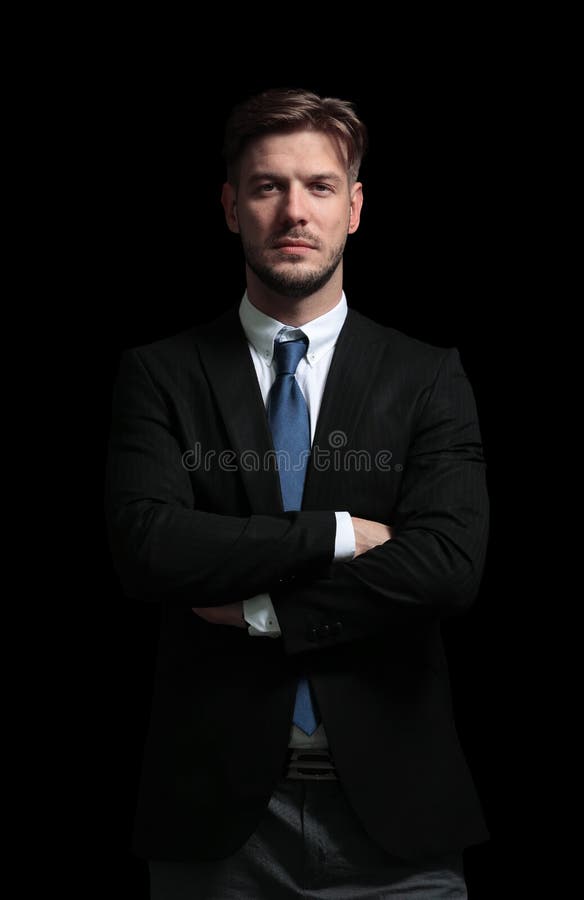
433	564
160	543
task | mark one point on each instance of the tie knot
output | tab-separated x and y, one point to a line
288	354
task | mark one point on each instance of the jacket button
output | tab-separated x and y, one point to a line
313	634
286	579
337	628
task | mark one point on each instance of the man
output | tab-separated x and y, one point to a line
303	493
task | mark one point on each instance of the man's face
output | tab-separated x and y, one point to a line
293	209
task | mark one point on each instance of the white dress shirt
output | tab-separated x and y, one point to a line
311	374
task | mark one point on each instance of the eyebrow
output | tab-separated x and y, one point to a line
274	176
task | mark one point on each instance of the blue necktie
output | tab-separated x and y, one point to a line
290	425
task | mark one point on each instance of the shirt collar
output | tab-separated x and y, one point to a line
322	332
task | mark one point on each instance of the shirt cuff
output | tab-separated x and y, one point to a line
345	538
260	615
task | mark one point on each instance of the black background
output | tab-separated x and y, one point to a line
434	257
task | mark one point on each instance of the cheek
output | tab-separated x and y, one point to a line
340	218
252	221
339	225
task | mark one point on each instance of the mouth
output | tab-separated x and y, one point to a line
291	246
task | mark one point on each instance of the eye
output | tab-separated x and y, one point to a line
322	188
267	188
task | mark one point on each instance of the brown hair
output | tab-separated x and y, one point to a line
287	110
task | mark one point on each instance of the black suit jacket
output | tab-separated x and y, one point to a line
195	519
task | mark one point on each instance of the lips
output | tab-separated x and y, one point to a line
292	243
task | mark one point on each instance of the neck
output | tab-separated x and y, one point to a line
291	310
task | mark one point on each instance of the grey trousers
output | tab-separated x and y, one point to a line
309	844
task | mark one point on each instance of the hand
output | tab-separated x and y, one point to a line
230	614
369	534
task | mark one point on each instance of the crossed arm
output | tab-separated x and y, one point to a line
428	562
368	534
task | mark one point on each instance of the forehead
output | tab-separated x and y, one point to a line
296	151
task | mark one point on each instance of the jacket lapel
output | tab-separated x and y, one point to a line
227	361
351	376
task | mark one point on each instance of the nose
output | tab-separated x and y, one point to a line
294	206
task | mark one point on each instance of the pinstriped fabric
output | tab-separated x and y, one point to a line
187	532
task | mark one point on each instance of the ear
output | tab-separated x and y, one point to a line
229	202
356	205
